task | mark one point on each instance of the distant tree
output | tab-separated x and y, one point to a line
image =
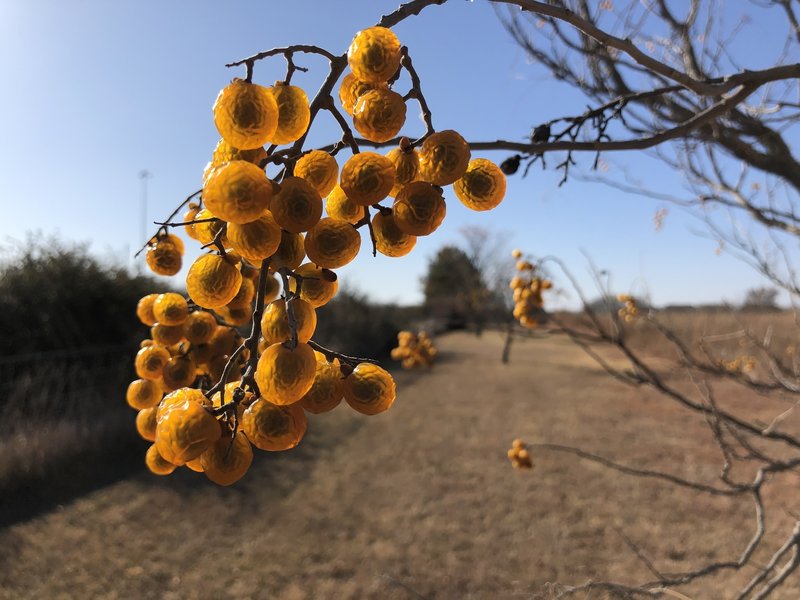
761	298
454	288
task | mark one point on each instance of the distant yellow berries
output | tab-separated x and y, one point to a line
527	289
519	456
629	311
414	350
738	365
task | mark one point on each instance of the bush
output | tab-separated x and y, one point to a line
56	296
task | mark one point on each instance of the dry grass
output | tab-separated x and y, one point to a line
418	501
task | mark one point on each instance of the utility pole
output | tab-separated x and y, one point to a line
144	175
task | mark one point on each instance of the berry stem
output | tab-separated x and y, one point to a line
251	343
186	201
288	296
348	139
366	220
416	93
343	358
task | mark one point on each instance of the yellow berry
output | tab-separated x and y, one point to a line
207	230
150	361
390	240
374	54
367	178
164	258
179	372
352	89
443	158
482	186
227	460
319	285
191	215
157	463
419	208
283	375
146	423
170	309
224	152
238	192
143	393
327	390
275	322
167	335
339	206
212	281
244	297
185	431
272	427
293	113
144	309
369	389
199	327
298	206
246	114
332	243
290	253
406	164
379	115
320	169
256	240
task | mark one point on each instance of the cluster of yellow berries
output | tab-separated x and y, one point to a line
519	456
629	310
204	394
740	364
527	287
414	349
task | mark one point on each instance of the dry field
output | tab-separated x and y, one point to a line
419	502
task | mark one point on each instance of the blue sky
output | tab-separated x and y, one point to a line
96	91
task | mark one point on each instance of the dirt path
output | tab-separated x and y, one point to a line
420	501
